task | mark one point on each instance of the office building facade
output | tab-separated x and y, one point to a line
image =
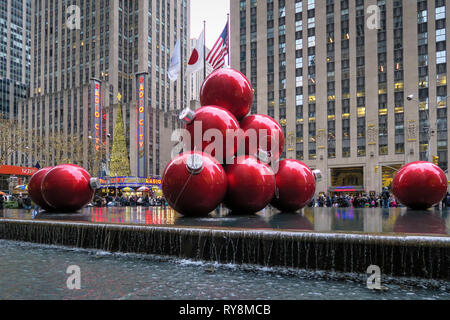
15	58
89	54
356	84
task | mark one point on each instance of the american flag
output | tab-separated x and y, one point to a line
216	56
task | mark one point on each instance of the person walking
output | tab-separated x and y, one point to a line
2	202
27	203
385	197
444	201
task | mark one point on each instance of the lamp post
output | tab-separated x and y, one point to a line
27	148
102	161
427	128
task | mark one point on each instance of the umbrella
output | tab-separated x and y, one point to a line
22	187
127	189
143	189
2	193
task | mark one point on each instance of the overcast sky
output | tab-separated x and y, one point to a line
214	12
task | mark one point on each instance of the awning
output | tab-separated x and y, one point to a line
347	189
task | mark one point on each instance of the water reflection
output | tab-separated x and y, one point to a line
414	222
367	220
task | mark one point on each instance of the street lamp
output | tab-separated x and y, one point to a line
108	136
428	128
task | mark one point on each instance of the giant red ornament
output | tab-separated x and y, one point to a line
68	187
194	183
209	123
420	185
34	188
251	185
257	127
296	185
229	89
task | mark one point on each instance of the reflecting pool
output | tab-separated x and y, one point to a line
373	220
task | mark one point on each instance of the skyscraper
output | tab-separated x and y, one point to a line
86	52
356	84
15	58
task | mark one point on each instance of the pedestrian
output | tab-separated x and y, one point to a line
329	203
385	197
2	202
444	202
27	203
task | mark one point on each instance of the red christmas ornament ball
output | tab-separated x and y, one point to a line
420	185
34	188
296	185
257	127
229	89
211	121
68	187
194	183
251	185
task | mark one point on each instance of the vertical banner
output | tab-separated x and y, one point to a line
97	113
141	87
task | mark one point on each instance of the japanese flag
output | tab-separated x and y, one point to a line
196	60
175	63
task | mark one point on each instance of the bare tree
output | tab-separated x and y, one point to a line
14	138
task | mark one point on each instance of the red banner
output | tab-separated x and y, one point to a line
19	171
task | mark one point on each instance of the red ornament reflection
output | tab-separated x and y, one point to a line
420	222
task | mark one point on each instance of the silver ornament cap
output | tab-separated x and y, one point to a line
194	163
187	115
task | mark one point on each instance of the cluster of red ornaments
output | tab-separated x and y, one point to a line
64	188
238	174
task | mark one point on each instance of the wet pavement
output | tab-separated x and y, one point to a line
39	272
341	220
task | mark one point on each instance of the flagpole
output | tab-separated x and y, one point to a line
229	44
204	50
181	67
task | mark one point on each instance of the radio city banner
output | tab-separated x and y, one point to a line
119	182
141	87
96	95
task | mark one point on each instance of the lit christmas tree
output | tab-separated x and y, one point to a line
120	162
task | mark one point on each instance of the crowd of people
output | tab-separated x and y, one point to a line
23	201
383	200
128	201
356	201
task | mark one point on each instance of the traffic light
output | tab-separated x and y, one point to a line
436	160
376	169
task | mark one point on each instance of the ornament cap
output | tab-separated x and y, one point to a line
317	175
187	115
94	183
194	163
